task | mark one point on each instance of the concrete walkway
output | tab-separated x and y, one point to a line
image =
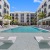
25	41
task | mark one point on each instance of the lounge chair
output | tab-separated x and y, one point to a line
48	37
40	39
1	37
9	40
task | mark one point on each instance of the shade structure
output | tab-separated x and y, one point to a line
1	18
9	20
6	20
45	19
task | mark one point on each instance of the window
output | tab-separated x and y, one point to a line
22	20
12	15
16	15
7	12
4	10
5	4
32	15
27	14
0	6
27	20
22	15
48	0
0	13
27	17
45	10
49	6
39	10
49	14
45	4
42	6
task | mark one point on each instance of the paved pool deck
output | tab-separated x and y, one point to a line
8	27
25	41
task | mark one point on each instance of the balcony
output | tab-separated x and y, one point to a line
7	12
42	6
49	14
22	15
5	5
45	4
27	15
4	10
0	6
12	15
16	15
27	20
0	14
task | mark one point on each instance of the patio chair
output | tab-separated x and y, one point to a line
9	40
41	39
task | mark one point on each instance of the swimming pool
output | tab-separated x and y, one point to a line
25	29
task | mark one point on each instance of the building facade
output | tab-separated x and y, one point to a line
4	8
44	7
23	17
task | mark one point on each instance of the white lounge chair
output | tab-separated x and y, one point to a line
1	37
9	40
48	37
40	39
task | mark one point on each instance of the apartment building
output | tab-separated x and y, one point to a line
4	8
44	7
23	17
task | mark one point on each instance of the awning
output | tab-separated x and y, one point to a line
1	18
6	20
45	19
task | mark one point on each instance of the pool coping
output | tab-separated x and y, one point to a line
44	29
10	27
26	32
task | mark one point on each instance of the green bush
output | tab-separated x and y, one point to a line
14	22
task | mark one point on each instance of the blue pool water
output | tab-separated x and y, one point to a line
25	29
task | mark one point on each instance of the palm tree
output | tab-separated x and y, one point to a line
15	21
6	16
41	15
34	20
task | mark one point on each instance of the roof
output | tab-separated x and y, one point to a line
22	12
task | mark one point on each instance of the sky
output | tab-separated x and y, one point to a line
24	5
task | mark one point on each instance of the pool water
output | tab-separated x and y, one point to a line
25	29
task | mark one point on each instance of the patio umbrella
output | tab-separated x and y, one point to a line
5	20
1	18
